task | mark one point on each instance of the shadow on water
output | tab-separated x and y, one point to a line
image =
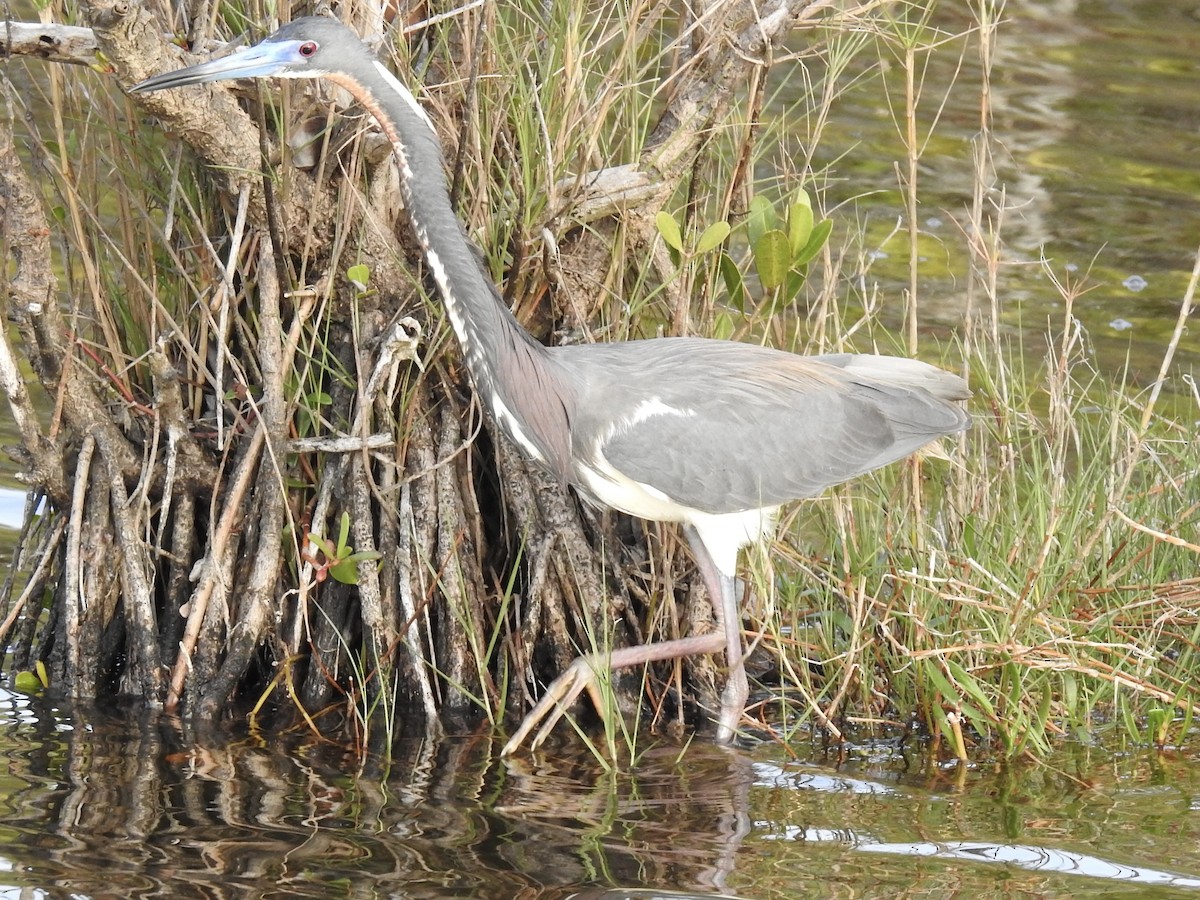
96	804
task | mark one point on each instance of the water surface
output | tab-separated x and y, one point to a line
1094	144
101	804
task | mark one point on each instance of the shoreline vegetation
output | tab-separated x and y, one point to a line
267	491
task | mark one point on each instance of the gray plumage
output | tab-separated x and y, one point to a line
766	426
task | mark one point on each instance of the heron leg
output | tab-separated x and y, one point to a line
581	675
721	591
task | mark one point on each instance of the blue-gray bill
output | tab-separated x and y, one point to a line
264	60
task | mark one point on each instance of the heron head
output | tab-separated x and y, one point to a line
306	48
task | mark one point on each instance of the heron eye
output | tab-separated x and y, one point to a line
308	48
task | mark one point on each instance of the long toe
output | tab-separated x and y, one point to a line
562	692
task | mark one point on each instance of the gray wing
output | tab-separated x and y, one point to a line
723	427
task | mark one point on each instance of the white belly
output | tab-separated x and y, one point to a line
724	534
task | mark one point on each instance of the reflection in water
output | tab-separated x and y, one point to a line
1035	858
96	804
1032	858
772	775
117	808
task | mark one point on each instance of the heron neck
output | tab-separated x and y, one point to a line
514	374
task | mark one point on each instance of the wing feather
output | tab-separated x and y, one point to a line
724	427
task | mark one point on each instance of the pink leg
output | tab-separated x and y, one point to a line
729	621
581	674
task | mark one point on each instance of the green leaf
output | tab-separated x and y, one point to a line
734	283
27	683
978	719
722	328
359	276
948	732
323	544
714	235
836	620
1043	710
1158	724
760	218
772	258
1185	727
795	281
967	682
345	571
1010	686
818	237
800	226
1070	694
942	685
669	229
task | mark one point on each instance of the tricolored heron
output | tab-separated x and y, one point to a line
715	435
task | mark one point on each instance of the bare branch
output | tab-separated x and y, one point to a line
49	41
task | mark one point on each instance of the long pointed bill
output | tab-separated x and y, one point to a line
258	61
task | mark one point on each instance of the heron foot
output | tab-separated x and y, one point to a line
583	675
733	703
580	676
